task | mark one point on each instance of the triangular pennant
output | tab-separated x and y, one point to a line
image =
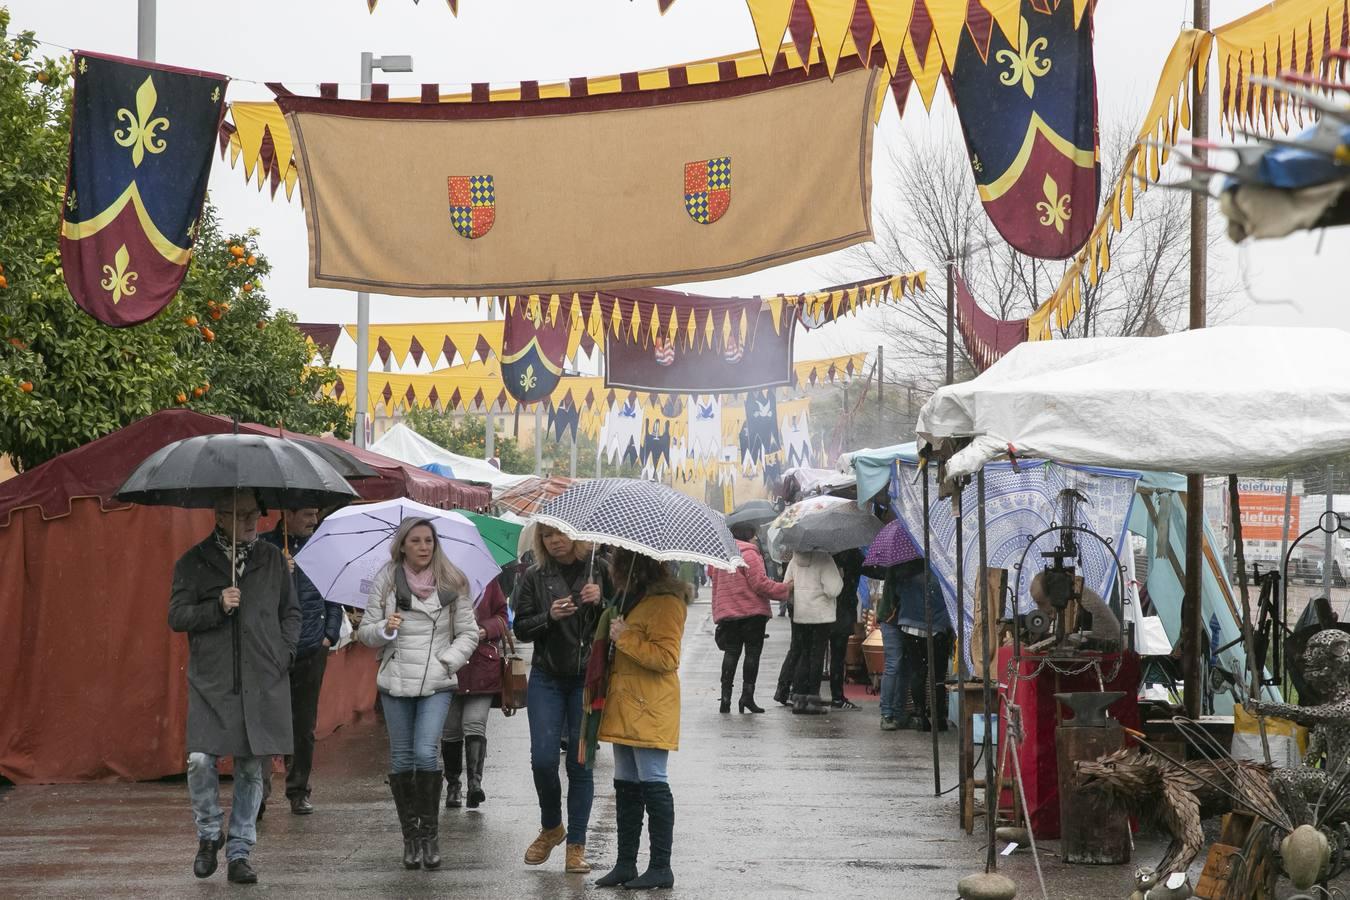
771	20
832	18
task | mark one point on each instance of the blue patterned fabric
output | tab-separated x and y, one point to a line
1018	505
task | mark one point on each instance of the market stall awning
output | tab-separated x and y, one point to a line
406	445
1232	399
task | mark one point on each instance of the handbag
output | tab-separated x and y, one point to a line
513	679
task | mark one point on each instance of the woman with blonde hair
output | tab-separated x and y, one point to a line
420	618
557	603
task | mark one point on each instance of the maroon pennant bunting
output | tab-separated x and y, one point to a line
987	339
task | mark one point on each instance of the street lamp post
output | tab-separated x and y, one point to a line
369	63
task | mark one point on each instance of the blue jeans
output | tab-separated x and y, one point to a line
414	725
553	705
639	763
892	688
203	779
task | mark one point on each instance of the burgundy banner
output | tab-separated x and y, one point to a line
727	367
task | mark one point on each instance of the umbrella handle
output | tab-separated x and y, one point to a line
388	636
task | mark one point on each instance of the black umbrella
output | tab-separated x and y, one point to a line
195	471
284	474
753	513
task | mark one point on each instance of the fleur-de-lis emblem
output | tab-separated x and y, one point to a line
139	134
1024	65
215	94
118	279
70	199
84	65
1054	209
534	314
976	164
527	380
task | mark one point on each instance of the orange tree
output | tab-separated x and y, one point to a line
65	378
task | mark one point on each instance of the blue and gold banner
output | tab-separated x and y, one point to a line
141	139
1029	114
534	346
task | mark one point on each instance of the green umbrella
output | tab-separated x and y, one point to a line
500	535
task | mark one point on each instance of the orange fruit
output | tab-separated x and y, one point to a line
190	321
215	314
248	287
4	282
26	387
181	398
252	260
44	77
206	387
197	392
17	342
236	251
261	324
208	334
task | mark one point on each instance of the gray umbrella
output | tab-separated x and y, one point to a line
753	513
830	524
644	517
284	474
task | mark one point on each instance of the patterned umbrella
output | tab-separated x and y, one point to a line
830	524
892	547
524	499
645	517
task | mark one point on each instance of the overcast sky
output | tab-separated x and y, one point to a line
302	42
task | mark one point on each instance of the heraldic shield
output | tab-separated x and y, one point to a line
707	189
473	204
534	347
141	139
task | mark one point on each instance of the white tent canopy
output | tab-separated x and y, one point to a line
406	445
1221	400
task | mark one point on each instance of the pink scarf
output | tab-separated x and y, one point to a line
423	583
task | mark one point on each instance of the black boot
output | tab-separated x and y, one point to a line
428	796
452	753
782	695
660	807
729	663
208	856
402	787
475	749
628	823
747	701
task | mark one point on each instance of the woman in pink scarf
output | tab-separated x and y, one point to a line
420	618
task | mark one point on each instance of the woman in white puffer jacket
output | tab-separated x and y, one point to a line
420	618
816	583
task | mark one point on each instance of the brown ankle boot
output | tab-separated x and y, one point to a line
576	859
538	852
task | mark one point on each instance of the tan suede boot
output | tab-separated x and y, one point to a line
538	852
576	859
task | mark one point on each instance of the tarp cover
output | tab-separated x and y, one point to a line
1232	399
403	443
98	468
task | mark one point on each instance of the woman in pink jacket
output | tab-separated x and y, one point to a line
741	610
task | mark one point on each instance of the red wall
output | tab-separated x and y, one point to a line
93	684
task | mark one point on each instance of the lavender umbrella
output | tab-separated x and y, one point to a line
892	546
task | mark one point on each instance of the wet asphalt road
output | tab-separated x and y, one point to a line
771	805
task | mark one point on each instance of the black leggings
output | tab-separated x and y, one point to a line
838	647
747	633
811	641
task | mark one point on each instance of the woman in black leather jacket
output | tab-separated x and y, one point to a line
557	603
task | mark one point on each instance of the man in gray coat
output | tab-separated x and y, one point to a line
237	706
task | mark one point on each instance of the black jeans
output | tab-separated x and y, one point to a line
914	672
838	647
811	657
306	681
738	634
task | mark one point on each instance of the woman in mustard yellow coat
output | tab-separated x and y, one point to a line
642	712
